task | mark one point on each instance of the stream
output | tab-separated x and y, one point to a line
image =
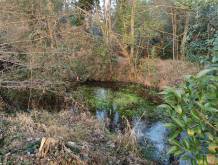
152	136
111	106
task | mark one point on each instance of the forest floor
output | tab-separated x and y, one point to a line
66	137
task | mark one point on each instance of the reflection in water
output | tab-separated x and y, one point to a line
157	134
116	118
152	137
101	115
139	127
184	162
101	93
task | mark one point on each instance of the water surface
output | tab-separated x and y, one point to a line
149	130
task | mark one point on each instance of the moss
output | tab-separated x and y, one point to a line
123	99
128	100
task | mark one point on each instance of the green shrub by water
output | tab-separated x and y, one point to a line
193	112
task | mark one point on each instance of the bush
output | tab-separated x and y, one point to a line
192	110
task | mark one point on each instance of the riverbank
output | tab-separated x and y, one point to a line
66	137
99	121
154	72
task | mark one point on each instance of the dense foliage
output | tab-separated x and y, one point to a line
203	32
193	110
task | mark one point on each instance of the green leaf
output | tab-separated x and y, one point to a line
178	109
173	149
205	72
186	144
174	142
178	153
185	157
211	109
164	106
210	136
170	125
172	91
200	105
178	122
174	135
194	115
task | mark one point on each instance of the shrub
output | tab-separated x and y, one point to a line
192	110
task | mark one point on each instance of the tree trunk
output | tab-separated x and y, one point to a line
132	34
108	28
175	40
107	15
186	28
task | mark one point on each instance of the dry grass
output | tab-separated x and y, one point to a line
63	125
171	71
24	133
162	73
128	140
154	72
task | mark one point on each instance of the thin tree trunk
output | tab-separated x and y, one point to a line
186	28
176	38
173	34
108	28
132	26
132	34
50	7
175	41
107	15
